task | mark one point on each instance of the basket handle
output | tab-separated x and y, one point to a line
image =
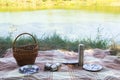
23	34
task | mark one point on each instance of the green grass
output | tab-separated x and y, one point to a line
55	42
5	43
97	42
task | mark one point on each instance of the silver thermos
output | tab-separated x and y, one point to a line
81	54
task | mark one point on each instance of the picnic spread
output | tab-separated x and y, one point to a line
68	67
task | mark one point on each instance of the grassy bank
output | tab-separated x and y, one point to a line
109	6
55	42
5	43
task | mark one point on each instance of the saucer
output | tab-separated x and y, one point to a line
29	69
92	67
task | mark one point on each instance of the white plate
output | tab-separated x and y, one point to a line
29	69
92	67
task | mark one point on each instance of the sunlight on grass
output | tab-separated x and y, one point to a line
110	6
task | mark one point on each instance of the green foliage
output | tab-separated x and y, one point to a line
5	43
98	42
52	42
56	42
89	43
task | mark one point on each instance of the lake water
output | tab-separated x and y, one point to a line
74	24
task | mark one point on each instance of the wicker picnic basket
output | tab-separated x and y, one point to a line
26	54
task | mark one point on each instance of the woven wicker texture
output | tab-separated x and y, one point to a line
25	54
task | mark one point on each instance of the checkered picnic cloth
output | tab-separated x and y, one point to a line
70	75
9	68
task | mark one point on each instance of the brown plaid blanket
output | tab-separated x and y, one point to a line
68	71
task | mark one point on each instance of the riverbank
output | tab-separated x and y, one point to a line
108	6
55	42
